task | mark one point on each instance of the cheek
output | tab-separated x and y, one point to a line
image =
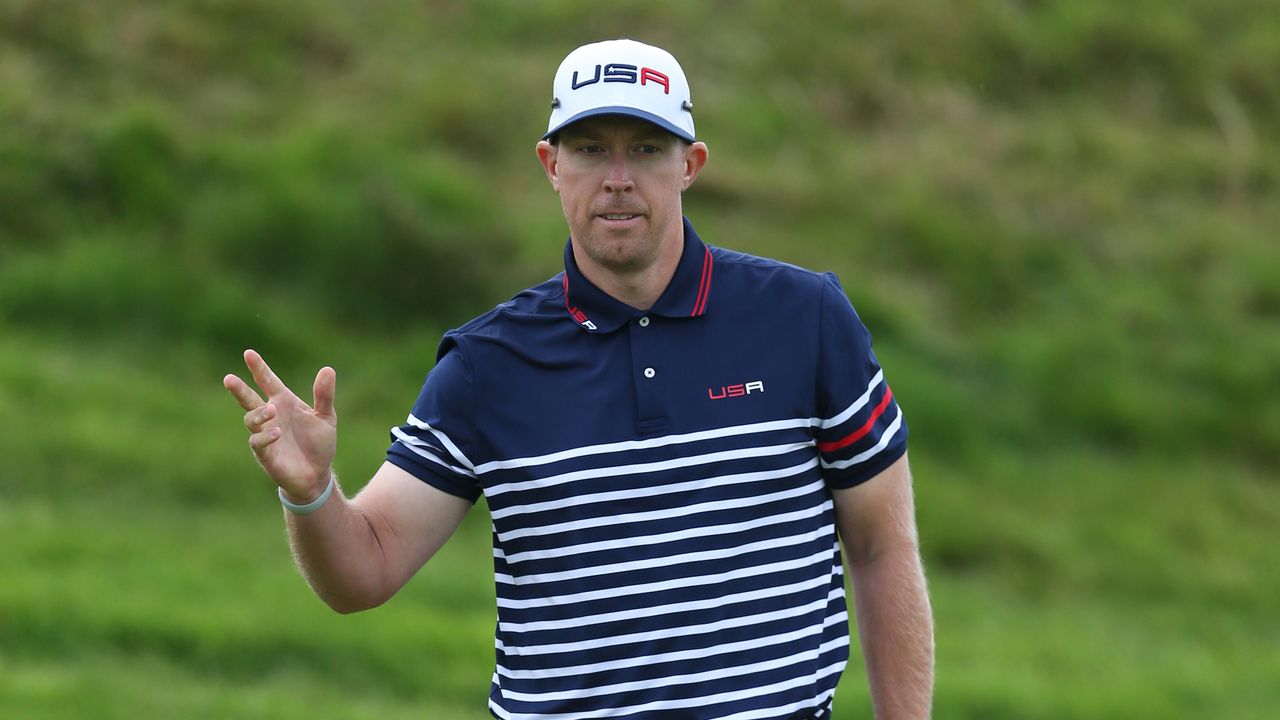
580	189
572	200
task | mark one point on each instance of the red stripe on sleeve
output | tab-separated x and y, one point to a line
858	434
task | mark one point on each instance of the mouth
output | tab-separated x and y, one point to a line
619	220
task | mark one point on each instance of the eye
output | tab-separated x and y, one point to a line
591	149
647	149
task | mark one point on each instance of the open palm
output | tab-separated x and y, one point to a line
294	442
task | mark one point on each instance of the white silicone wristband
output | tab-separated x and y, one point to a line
310	507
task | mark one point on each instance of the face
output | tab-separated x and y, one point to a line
619	179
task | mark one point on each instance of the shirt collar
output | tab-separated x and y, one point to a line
685	296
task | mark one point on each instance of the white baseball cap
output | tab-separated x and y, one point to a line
622	77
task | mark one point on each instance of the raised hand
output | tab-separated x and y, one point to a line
294	442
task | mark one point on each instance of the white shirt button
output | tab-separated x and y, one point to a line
644	322
649	372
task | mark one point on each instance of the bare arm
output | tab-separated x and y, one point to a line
357	553
878	531
354	553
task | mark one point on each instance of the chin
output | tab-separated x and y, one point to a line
621	259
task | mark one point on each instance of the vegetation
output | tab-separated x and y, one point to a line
1058	220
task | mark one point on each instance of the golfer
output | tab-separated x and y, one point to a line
682	448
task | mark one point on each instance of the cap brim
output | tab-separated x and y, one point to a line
620	110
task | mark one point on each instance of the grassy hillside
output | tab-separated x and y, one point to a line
1058	220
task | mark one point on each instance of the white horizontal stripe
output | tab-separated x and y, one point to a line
729	576
639	541
659	538
861	457
676	656
420	448
827	622
613	495
648	563
724	697
781	710
834	643
857	404
701	654
657	610
695	654
665	633
663	682
444	440
622	446
649	467
836	593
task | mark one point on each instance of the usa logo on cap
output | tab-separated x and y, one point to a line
622	77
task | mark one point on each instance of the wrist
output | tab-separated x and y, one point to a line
312	504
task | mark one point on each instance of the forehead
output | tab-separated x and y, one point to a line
615	126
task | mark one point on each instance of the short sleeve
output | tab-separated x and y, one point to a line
860	430
431	444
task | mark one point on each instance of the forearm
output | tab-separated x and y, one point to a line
338	552
895	624
356	553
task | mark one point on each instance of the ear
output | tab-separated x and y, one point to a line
547	156
695	157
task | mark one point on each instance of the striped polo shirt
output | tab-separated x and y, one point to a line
659	483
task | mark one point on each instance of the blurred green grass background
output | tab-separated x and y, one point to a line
1058	219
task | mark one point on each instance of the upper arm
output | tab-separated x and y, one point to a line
411	519
861	430
877	515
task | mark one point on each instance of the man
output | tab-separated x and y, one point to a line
668	436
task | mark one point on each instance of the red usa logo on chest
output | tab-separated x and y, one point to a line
738	390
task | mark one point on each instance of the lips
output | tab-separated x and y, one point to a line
619	215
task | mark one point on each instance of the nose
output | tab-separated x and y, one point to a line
618	178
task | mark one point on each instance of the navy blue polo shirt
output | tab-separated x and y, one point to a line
660	484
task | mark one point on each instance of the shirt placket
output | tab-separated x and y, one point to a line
648	375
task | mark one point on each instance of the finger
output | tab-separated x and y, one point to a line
323	389
248	399
262	375
255	419
260	440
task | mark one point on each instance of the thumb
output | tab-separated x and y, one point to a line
323	390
